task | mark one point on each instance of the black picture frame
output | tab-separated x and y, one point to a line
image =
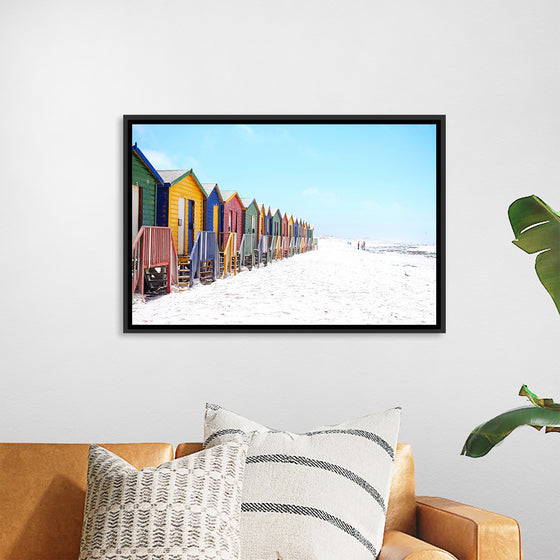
439	326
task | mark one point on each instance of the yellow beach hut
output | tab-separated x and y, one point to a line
262	220
181	205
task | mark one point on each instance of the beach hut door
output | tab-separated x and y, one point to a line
136	206
181	228
191	224
216	219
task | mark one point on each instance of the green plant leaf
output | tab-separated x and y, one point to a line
536	227
484	437
541	403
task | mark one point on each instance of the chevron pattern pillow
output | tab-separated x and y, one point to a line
187	509
320	495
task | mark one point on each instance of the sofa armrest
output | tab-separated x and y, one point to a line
468	533
401	546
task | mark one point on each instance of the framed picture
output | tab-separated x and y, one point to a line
284	223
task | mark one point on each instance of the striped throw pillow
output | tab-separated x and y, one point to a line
321	495
187	509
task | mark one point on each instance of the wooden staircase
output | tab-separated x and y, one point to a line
229	257
155	280
206	272
235	265
184	271
154	259
247	262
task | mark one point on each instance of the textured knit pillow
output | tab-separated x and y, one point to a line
321	495
187	509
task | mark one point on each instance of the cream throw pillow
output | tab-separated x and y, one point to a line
321	495
187	509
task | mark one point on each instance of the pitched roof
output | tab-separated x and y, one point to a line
247	202
136	150
171	175
175	175
208	188
226	195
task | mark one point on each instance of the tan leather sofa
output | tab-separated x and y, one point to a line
42	492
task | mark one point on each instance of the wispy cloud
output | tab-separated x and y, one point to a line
142	133
246	132
159	160
311	153
325	198
192	163
310	192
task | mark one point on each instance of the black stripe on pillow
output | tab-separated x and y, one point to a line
360	433
311	512
315	463
221	433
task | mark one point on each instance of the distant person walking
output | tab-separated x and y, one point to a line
358	245
363	245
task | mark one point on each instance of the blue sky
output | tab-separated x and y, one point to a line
357	181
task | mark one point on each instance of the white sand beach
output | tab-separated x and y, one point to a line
387	284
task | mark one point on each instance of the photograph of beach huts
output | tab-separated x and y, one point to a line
272	223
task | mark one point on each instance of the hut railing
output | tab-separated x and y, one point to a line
279	247
153	247
262	248
222	240
205	248
230	254
285	245
246	248
273	247
292	246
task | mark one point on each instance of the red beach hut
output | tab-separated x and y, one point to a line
233	216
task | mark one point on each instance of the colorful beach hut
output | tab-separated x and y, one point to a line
233	216
292	239
250	219
276	222
268	216
262	220
154	258
180	206
249	241
276	233
214	217
145	182
263	249
285	238
304	235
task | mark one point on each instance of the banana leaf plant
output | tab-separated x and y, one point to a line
543	413
537	230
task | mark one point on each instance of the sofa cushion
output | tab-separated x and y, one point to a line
42	493
186	509
321	494
401	509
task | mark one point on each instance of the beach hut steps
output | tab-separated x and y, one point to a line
184	271
206	272
155	279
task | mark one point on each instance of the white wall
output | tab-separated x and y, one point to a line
70	70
